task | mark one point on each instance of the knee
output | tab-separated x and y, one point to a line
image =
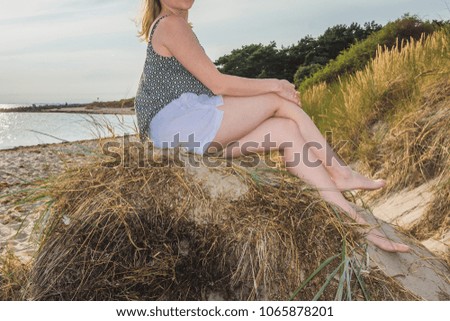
287	127
276	101
285	134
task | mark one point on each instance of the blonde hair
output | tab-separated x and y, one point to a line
150	10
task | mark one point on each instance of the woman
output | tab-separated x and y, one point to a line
182	97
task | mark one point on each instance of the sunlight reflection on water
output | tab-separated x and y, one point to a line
26	129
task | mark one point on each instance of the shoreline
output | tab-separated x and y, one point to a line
90	141
75	109
51	145
22	169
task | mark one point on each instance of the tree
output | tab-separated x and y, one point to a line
267	61
250	61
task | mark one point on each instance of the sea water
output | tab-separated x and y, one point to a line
27	129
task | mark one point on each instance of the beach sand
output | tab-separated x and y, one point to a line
405	208
19	168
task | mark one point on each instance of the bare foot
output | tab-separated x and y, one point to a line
378	239
358	181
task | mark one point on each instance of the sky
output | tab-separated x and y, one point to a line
78	51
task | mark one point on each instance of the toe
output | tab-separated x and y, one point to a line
402	248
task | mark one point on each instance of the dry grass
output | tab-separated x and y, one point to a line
383	287
14	278
396	81
155	233
436	220
361	107
416	148
390	84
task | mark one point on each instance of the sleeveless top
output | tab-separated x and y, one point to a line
163	80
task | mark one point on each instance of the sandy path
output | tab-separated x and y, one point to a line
406	207
18	168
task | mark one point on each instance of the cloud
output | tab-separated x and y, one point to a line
77	76
25	9
68	50
18	38
77	50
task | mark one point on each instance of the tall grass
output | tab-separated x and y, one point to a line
360	108
393	120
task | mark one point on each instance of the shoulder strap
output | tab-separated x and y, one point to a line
155	25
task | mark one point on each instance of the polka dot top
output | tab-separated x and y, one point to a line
163	80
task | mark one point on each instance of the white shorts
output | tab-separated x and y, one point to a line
191	121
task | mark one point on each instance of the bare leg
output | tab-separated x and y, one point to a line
244	113
343	176
285	132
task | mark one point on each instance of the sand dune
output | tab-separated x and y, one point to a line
418	272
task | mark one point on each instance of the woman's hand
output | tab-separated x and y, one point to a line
287	91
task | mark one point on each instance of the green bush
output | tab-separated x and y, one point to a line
304	72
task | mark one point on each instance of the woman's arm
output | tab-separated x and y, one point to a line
176	35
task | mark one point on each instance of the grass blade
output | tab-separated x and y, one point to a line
325	263
328	280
